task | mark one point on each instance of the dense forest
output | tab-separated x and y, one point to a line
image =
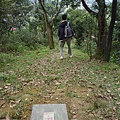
32	73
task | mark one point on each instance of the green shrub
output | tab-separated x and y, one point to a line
18	41
32	40
115	55
11	43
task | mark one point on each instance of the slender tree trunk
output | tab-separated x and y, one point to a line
48	26
104	43
44	28
110	33
102	27
50	36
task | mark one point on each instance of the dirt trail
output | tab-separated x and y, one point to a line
50	81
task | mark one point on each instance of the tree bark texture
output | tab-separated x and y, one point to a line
110	32
102	30
104	42
50	36
48	26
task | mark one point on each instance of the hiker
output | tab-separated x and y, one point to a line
63	38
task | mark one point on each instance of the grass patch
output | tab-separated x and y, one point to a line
41	73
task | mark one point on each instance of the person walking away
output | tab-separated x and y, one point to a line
62	36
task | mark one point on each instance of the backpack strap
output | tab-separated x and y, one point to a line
67	24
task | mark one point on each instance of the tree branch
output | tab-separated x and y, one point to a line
57	4
88	9
112	22
43	8
36	5
42	5
58	10
54	18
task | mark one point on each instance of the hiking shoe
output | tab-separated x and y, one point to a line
61	57
71	56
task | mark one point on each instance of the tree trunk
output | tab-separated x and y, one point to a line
110	33
102	30
104	42
48	25
47	21
50	36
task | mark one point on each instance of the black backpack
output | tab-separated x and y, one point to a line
68	31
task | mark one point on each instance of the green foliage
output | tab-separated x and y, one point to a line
32	40
13	14
72	3
51	7
19	41
86	30
36	19
11	43
4	11
90	35
78	19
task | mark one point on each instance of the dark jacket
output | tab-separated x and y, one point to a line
61	29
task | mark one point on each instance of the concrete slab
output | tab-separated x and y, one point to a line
49	112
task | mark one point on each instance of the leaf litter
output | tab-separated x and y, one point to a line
75	82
